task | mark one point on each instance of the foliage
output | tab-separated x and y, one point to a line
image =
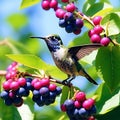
104	63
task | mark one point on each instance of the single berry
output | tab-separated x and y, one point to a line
8	101
68	16
21	81
65	1
95	38
4	94
91	118
80	96
96	20
83	112
70	7
44	91
105	41
77	31
62	23
58	90
14	85
63	108
98	29
52	87
87	104
21	91
36	93
77	104
79	23
12	94
6	85
53	4
69	104
69	28
45	4
91	32
45	82
37	85
60	13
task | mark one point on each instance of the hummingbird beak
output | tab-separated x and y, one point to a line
38	37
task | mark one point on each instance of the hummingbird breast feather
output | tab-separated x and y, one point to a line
65	62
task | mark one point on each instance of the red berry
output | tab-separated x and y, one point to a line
87	104
63	108
14	85
65	1
70	7
60	13
6	85
52	87
45	82
76	32
11	94
96	20
95	38
21	81
77	104
53	4
34	81
91	32
91	118
105	41
45	4
98	29
80	96
37	85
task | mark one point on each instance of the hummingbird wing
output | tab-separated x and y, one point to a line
81	51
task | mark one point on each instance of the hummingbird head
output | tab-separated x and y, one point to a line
53	42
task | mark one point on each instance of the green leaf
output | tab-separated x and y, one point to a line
65	93
111	104
35	62
112	20
108	67
8	112
112	115
25	112
27	3
17	21
93	9
84	39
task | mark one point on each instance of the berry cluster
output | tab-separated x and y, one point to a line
67	18
17	86
79	108
44	92
94	34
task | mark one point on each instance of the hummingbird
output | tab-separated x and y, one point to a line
66	59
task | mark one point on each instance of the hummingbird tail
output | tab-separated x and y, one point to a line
83	73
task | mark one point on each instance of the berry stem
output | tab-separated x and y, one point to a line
84	17
3	72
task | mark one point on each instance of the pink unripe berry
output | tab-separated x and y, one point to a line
60	13
95	38
96	20
45	4
52	87
14	85
91	32
37	85
77	104
63	108
91	118
65	1
21	81
80	96
105	41
98	29
6	85
34	81
87	104
45	82
70	7
53	4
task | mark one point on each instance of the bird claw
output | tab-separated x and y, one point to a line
67	83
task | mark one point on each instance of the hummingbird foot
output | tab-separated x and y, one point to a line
68	81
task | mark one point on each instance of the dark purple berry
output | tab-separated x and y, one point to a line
62	23
69	104
4	94
44	91
83	112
